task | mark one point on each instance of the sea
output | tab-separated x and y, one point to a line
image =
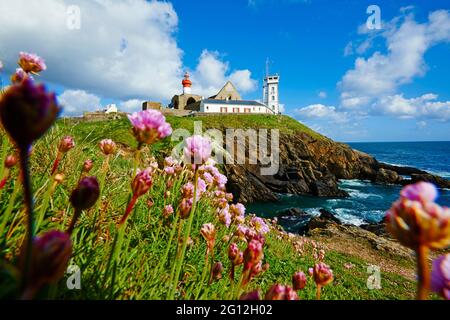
368	202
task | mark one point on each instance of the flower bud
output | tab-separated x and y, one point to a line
322	274
59	178
185	208
88	165
50	257
168	210
142	182
85	194
107	146
235	255
299	281
10	161
66	144
27	110
217	271
252	295
280	292
30	62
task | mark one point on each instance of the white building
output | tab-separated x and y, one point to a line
228	99
270	93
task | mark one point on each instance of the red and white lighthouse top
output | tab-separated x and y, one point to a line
186	82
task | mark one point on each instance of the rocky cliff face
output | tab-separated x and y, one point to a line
314	166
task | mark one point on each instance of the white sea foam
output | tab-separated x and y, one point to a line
354	182
347	216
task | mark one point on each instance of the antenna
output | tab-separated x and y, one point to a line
267	67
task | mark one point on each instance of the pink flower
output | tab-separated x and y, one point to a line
322	274
149	126
259	225
220	179
420	191
30	62
87	165
169	170
253	254
10	161
85	194
208	177
197	150
440	276
299	281
51	255
19	76
168	210
252	295
27	110
185	207
280	292
142	182
235	255
208	231
66	144
225	216
107	146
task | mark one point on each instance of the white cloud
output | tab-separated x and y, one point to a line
131	105
425	107
77	101
211	74
374	81
322	94
320	111
122	50
421	125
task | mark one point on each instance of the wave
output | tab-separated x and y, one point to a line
354	183
347	216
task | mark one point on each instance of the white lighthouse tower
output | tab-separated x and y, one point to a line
270	91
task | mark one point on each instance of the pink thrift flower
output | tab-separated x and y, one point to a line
299	281
169	170
20	75
280	292
420	191
107	146
30	62
142	182
149	126
66	144
197	150
440	276
322	274
259	225
168	210
225	216
185	208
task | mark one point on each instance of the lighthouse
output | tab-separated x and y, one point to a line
186	84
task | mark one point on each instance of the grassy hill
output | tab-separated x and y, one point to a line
144	268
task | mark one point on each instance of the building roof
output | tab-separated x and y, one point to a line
235	102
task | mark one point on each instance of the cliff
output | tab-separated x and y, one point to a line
312	164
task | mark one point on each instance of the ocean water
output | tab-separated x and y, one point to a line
368	202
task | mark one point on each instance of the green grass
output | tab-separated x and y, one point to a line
147	234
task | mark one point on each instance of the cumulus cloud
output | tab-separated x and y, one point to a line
322	94
211	74
123	49
76	101
323	112
382	74
425	106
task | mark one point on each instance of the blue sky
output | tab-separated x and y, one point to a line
126	53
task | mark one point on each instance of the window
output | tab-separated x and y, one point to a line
235	109
273	107
273	98
223	109
246	110
273	90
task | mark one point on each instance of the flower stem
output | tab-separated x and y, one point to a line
75	217
28	199
56	163
129	209
423	284
186	238
319	288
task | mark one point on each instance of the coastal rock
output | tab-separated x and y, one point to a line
313	166
293	220
386	176
322	221
378	228
438	181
